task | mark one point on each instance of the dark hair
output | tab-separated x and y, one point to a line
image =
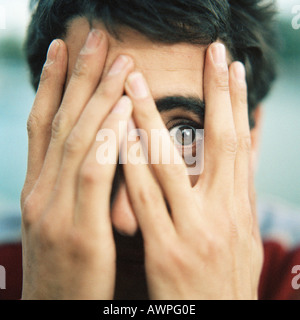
246	27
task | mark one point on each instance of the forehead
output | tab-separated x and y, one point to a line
169	69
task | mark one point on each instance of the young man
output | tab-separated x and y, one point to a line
144	231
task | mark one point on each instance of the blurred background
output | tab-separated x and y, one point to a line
278	177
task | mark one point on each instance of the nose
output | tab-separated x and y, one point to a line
122	214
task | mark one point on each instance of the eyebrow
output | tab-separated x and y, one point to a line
191	103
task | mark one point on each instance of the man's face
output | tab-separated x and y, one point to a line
171	71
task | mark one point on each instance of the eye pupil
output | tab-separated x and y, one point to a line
185	135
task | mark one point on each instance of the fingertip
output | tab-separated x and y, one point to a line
52	52
136	86
216	73
123	106
218	54
238	71
93	42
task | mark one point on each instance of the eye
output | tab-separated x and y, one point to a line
184	135
188	139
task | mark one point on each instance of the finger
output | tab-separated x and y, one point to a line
252	197
84	80
46	104
166	162
220	137
98	170
122	213
238	93
82	136
144	191
82	84
254	219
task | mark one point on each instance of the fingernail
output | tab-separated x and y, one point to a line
137	85
218	51
52	51
118	66
93	41
123	106
239	72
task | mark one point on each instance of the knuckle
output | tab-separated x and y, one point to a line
107	91
143	195
171	253
222	79
74	143
179	257
228	143
148	196
47	234
36	124
175	256
225	141
33	123
244	144
89	174
79	247
29	212
59	124
81	69
212	246
23	196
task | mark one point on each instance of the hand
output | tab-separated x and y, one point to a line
208	245
68	245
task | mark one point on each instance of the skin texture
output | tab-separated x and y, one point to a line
70	248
